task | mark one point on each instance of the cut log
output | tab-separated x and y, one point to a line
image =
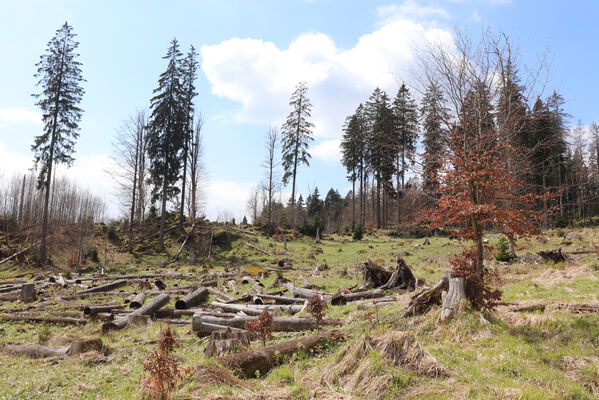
27	292
95	310
256	309
302	292
223	296
251	361
285	324
233	285
337	299
104	288
367	294
453	297
51	320
84	345
192	299
281	299
205	328
422	301
138	301
150	308
227	341
35	351
251	246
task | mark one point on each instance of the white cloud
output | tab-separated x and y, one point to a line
227	196
410	9
492	3
16	115
327	150
261	76
476	17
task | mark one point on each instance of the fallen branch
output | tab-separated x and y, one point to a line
52	320
253	247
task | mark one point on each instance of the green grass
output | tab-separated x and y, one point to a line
550	355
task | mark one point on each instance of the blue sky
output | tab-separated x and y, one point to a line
253	54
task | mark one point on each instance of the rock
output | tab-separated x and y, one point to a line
574	236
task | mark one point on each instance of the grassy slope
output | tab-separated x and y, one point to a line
499	355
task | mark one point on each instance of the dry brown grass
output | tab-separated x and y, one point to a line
359	370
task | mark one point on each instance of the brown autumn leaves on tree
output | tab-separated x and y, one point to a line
478	188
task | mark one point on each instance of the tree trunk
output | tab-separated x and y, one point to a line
53	320
95	310
192	299
422	301
162	216
148	309
285	324
227	341
453	296
104	288
251	361
256	309
137	301
27	292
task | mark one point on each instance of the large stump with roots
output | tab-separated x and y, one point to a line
377	275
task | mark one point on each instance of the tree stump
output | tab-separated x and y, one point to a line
227	341
401	278
422	301
85	345
27	293
453	296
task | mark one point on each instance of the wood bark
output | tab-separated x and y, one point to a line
27	292
148	309
227	341
422	301
94	310
104	288
256	309
138	301
303	293
52	320
192	299
285	324
251	361
454	296
281	299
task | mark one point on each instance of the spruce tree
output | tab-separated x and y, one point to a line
353	147
167	133
405	134
296	135
59	75
434	126
189	71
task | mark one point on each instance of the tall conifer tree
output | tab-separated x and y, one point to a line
167	132
60	77
296	135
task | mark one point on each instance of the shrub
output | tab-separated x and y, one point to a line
163	366
317	307
44	334
358	232
560	221
503	253
262	327
91	253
